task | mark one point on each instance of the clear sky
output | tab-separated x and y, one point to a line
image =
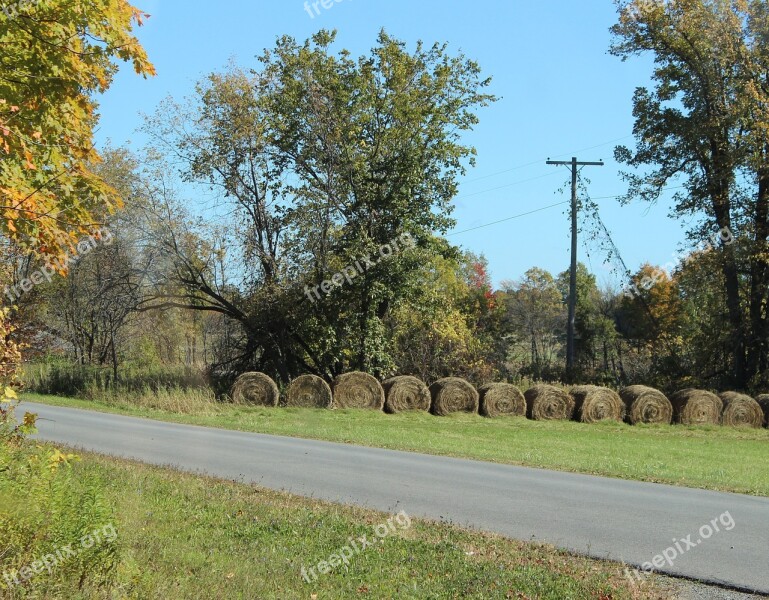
561	93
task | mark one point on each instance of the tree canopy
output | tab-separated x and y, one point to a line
705	123
57	55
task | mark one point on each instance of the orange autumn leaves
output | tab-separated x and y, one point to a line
57	55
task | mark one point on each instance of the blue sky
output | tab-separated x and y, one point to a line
561	94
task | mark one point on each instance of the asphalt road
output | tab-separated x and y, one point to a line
605	518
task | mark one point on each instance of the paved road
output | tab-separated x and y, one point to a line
604	518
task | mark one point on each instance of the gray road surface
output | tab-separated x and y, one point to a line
604	518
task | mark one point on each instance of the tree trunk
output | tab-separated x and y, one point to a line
720	178
757	341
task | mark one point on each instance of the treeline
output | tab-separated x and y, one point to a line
291	220
132	311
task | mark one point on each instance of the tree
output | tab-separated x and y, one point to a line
91	308
327	163
537	316
706	123
705	339
56	56
651	312
456	328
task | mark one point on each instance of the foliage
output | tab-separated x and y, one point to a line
43	509
455	328
10	357
325	163
705	123
537	317
652	312
56	56
595	326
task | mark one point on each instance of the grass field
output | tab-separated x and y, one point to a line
181	536
716	458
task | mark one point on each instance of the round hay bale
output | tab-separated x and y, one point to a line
451	395
696	407
763	402
501	399
593	404
404	393
256	389
358	390
308	391
548	403
741	411
646	405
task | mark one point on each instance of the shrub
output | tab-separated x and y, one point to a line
46	516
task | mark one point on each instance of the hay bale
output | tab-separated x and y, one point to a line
451	395
763	402
358	390
548	403
593	403
256	389
696	407
501	399
741	411
309	391
404	393
646	405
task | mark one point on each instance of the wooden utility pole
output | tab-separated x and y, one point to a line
574	165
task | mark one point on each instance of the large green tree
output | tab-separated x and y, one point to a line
332	169
704	124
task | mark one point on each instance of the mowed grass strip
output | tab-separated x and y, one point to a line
184	536
707	457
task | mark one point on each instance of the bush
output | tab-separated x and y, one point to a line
57	529
62	378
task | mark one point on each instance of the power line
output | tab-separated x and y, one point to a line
531	212
507	185
575	166
537	162
545	208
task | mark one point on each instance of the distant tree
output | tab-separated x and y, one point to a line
91	308
586	311
456	328
651	310
537	317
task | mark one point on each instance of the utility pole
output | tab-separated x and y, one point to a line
575	166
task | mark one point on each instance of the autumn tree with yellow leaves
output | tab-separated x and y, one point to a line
57	55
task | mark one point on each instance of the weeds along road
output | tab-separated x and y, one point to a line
686	531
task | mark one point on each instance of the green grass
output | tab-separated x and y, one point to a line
716	458
184	536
